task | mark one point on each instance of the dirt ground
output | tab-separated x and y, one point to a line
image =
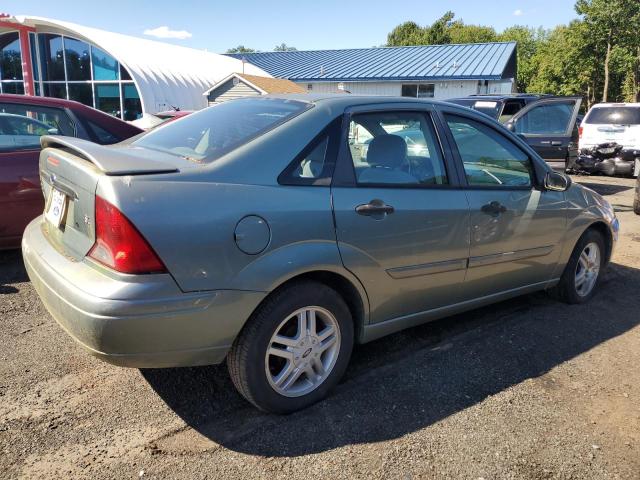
529	388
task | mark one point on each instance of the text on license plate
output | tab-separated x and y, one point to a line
57	207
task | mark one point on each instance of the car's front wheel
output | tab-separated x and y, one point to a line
582	273
294	349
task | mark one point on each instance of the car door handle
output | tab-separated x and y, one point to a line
555	143
494	208
374	208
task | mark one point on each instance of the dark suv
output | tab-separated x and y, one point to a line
548	123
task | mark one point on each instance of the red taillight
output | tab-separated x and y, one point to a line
580	132
119	245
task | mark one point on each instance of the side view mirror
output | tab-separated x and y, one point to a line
556	182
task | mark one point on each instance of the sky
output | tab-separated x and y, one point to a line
329	24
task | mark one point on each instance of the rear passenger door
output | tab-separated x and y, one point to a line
548	126
402	222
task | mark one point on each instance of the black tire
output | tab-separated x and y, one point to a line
636	206
246	360
566	289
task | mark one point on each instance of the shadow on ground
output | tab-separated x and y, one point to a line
605	189
412	379
11	271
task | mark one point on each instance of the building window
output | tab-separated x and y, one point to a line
11	64
309	86
419	90
72	69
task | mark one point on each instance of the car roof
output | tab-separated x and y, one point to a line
44	101
612	104
344	100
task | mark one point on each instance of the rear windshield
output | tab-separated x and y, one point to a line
614	115
488	107
207	135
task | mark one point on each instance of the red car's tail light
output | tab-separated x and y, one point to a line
119	245
580	132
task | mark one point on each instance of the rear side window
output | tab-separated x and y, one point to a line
614	115
209	134
21	126
99	134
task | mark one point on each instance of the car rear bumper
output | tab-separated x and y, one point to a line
141	321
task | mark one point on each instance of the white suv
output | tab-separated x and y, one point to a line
612	123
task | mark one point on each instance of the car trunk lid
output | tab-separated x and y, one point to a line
70	169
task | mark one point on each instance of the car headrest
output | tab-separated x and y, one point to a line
387	151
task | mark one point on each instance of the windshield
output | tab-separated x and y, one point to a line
614	115
207	135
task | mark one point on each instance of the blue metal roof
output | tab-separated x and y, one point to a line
487	61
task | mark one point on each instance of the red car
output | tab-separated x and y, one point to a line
23	120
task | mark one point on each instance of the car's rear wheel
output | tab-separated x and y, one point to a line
582	273
294	349
636	206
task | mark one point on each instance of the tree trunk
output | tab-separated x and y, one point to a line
607	58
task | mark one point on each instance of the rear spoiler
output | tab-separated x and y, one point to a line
110	160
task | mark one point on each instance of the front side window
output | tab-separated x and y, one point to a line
546	119
207	135
489	158
396	148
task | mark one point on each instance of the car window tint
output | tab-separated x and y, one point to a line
100	135
618	115
20	133
396	148
209	134
509	110
489	158
56	118
546	119
311	165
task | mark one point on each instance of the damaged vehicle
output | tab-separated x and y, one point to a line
260	232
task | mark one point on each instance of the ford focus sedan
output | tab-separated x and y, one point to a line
277	232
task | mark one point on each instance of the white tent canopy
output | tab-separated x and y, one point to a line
164	74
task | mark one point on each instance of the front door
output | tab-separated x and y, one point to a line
516	227
402	223
549	127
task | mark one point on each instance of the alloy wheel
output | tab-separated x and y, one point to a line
587	269
302	351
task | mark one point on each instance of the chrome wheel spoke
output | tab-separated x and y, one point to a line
289	377
281	352
287	341
326	333
326	344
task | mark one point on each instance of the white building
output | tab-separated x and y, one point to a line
119	74
428	71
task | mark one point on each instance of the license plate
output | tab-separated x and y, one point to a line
57	207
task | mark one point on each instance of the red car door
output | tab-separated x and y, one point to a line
20	195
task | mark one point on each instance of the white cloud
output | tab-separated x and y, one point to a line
518	13
166	32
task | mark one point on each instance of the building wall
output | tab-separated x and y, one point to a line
443	89
229	91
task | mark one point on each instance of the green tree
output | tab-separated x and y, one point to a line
283	47
611	24
240	49
528	40
405	34
459	32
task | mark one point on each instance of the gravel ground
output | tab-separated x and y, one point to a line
529	388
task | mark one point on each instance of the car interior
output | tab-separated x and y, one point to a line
395	148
